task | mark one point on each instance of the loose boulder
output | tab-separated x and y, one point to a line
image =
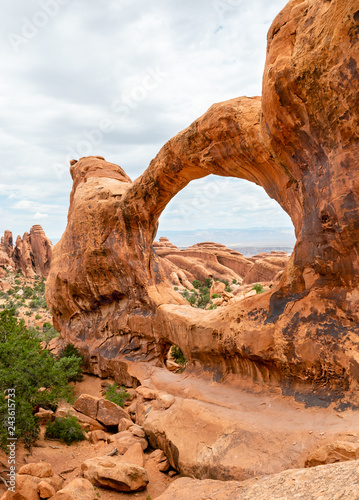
112	472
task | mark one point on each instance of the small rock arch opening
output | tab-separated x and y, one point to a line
175	360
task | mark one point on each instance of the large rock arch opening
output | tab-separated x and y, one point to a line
226	210
299	141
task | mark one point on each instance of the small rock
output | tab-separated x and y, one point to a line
134	455
132	395
166	400
96	436
138	431
172	366
41	469
124	443
119	435
160	457
172	473
164	466
45	416
45	490
110	414
156	454
124	424
87	404
146	392
132	408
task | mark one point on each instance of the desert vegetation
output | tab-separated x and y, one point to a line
25	297
36	377
200	296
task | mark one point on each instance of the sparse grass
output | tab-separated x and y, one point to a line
117	394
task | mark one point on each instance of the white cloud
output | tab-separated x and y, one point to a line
39	216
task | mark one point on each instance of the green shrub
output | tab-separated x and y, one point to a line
28	292
208	282
192	298
234	281
258	288
65	429
70	350
40	286
178	355
201	296
71	366
215	296
37	316
25	367
116	394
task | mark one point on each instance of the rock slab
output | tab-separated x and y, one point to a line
337	482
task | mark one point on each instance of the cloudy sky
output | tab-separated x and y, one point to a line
118	78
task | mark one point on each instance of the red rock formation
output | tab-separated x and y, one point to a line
6	252
41	248
213	260
300	142
8	243
23	256
32	253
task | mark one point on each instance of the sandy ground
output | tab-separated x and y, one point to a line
262	411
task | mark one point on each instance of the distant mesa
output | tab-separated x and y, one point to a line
31	254
208	259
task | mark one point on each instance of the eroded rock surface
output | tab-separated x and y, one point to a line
326	481
107	288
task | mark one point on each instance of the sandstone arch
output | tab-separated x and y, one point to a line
300	141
